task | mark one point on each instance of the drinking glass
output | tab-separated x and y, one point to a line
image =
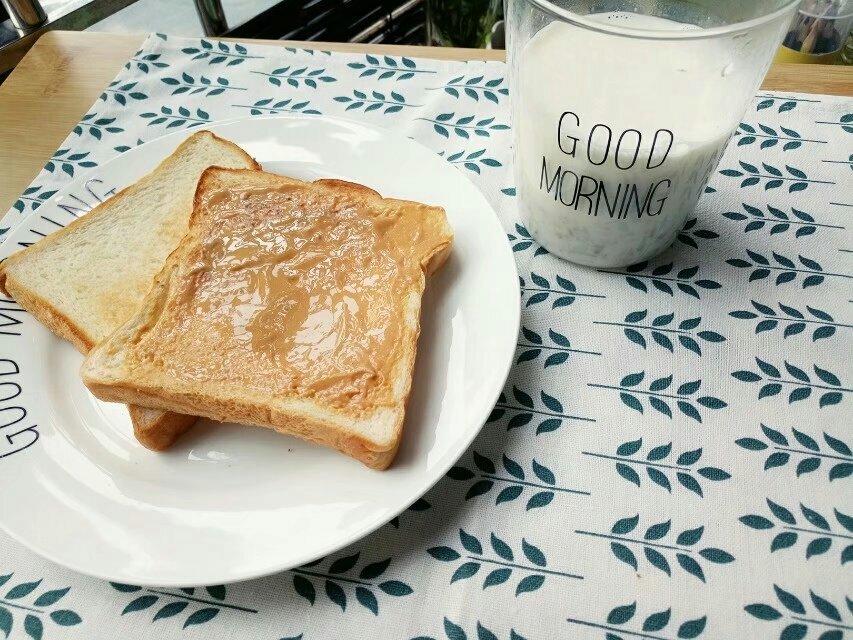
621	111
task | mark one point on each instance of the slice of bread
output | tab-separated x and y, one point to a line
87	279
289	305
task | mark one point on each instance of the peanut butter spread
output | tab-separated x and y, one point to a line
302	290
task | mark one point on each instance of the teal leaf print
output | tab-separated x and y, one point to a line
657	560
529	583
464	126
122	93
657	531
473	161
470	543
531	568
785	268
689	482
533	553
32	198
297	77
144	63
790	320
201	616
169	610
655	546
772	177
454	631
795	616
496	577
342	572
388	67
33	626
689	234
68	162
177	117
846	120
826	608
95	126
623	614
659	393
49	598
366	599
271	106
658	466
65	617
374	570
548	416
692	628
665	331
475	88
665	279
624	554
21	590
554	350
5	621
140	603
465	571
762	611
218	53
25	599
787	139
777	221
829	393
203	85
304	588
654	622
783	103
171	603
342	565
216	591
625	525
563	293
523	240
501	548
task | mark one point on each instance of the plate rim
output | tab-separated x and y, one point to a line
360	533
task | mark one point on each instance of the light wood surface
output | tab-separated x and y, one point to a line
65	72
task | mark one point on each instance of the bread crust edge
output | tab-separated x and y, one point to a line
162	432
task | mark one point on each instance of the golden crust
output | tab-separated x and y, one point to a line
158	430
302	426
43	311
154	432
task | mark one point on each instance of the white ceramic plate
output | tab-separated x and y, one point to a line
230	503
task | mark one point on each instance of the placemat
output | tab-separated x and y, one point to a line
671	455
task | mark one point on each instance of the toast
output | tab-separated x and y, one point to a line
290	305
88	278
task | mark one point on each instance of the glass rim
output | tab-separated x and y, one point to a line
650	34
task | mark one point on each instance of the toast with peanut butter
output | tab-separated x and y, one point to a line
290	305
85	280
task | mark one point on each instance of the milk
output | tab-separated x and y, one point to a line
616	136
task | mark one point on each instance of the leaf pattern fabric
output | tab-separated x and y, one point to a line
671	455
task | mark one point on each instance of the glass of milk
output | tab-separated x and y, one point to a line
621	111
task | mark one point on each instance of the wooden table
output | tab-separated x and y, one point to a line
65	72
